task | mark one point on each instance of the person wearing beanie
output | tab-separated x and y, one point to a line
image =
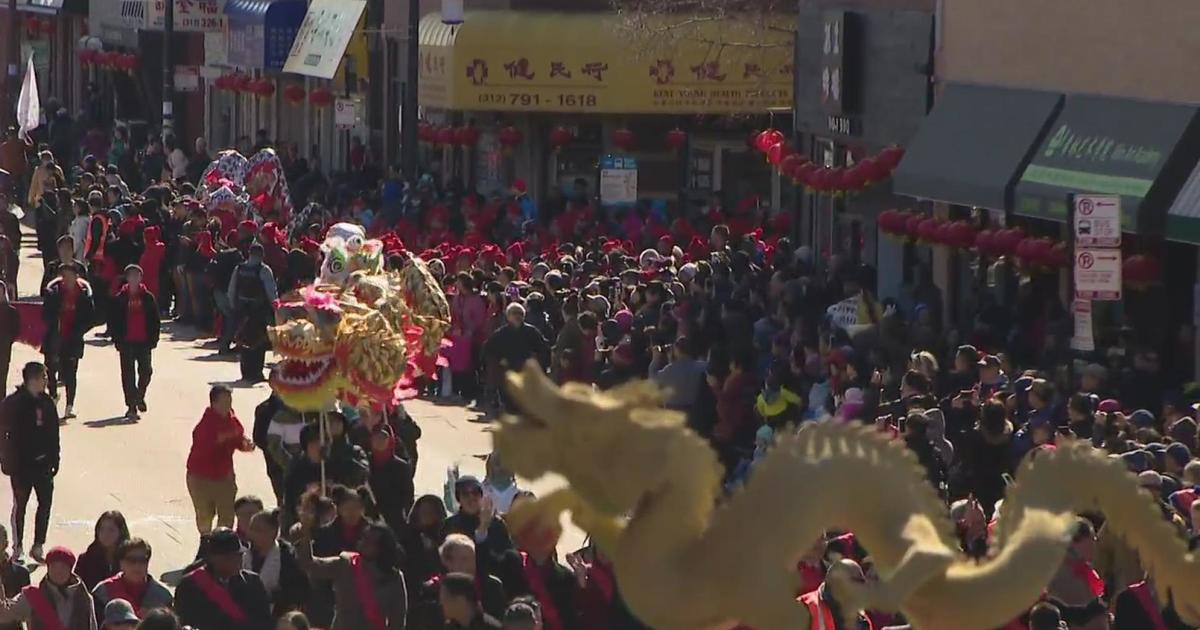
133	320
59	601
219	594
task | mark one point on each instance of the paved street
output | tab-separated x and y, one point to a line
138	468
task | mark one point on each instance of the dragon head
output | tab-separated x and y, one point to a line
602	442
306	377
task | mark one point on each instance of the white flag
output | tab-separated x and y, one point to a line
29	106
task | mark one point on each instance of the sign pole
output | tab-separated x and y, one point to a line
1071	287
12	81
168	95
408	114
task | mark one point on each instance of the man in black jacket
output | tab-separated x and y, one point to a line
219	595
513	345
476	519
29	453
134	323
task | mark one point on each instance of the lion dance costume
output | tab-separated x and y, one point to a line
359	335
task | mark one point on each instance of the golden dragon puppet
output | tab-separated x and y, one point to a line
360	338
646	489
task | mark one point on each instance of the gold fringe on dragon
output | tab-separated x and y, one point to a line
646	489
359	335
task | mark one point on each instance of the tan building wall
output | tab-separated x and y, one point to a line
1144	49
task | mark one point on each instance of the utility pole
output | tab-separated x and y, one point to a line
12	83
408	119
168	95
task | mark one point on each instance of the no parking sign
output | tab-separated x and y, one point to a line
1098	274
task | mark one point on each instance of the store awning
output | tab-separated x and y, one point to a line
1141	151
507	60
972	147
49	7
321	41
1183	217
261	32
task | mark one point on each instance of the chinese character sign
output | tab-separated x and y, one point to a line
322	38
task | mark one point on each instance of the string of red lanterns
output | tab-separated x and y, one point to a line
822	179
109	60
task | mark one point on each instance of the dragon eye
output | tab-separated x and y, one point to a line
337	266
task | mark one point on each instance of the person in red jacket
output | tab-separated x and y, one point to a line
134	323
152	258
210	480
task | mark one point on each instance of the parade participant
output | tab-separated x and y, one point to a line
151	262
210	479
457	555
274	560
220	595
65	247
460	606
13	575
118	615
10	330
135	326
390	479
99	562
251	293
29	454
368	584
68	312
420	539
476	518
59	601
133	583
95	244
822	604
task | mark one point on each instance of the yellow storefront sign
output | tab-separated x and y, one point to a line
556	62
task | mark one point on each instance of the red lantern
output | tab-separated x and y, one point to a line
294	93
767	139
787	168
445	136
624	139
803	174
890	157
985	242
855	178
510	137
777	152
873	170
132	62
560	137
32	24
1140	272
263	88
243	82
87	56
891	221
1008	240
944	235
677	139
425	133
1034	251
927	230
320	97
912	225
467	136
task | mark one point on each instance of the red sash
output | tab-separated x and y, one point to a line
1083	570
117	590
537	586
217	595
43	610
1141	591
366	594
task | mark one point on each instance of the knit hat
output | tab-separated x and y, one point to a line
60	554
1142	418
1179	453
118	611
1108	405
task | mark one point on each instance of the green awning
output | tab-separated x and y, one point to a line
1141	151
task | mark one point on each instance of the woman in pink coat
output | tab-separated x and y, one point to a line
468	317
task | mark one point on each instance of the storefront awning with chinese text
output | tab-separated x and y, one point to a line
586	63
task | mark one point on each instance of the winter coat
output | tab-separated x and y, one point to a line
70	346
93	566
72	604
29	443
118	319
282	576
195	608
488	552
513	346
14	577
391	483
155	596
390	594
